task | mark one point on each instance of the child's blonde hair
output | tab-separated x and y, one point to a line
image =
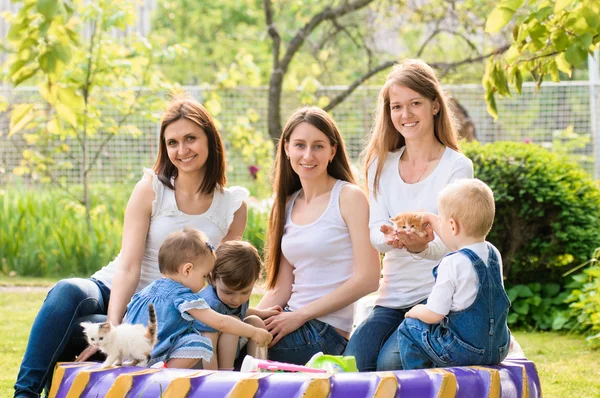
471	203
238	265
181	247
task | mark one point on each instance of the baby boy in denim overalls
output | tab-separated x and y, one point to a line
464	320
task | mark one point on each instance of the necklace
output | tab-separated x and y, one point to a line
427	165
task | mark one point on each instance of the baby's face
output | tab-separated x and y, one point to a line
230	297
197	278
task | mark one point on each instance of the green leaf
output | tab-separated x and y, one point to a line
553	69
47	8
69	97
521	307
498	18
66	113
23	74
563	65
48	62
575	55
19	117
559	320
561	5
491	104
560	40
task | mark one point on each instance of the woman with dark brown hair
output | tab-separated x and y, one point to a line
319	260
186	188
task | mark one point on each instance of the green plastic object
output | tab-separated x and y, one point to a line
333	363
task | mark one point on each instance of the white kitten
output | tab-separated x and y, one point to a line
123	342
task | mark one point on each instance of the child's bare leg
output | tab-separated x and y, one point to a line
182	363
213	363
253	349
228	344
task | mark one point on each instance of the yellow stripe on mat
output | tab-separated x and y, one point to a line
318	387
124	382
387	386
179	387
448	385
59	373
246	388
494	391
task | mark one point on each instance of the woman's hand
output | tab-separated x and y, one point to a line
282	324
391	237
85	354
413	242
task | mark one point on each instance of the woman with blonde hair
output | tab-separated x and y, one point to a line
319	260
186	188
411	155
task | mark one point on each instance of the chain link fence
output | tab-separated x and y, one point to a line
560	116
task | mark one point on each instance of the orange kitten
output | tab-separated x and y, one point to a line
410	222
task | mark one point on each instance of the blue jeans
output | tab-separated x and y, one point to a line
371	335
312	337
56	334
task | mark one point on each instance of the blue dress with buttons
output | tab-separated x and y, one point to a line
177	336
209	294
477	335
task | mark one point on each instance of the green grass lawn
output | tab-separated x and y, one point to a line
567	367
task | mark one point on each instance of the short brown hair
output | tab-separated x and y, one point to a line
181	247
471	203
238	265
185	107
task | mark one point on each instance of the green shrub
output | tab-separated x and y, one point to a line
547	209
44	232
256	226
585	301
537	306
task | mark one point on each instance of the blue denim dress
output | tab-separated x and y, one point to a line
209	294
477	335
177	337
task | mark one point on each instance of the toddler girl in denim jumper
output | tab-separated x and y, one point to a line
231	281
464	320
185	259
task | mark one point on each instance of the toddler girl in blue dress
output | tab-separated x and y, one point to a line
185	259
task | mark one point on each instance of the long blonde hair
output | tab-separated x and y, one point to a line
420	77
286	181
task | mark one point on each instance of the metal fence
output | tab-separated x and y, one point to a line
536	116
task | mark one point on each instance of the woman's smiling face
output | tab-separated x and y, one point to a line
411	113
187	145
309	150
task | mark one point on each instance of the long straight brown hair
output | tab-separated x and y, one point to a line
420	77
185	107
286	181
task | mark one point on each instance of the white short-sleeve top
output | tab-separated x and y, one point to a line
167	218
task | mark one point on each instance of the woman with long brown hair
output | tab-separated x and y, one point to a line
411	155
319	260
185	188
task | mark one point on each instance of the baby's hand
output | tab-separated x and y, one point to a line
262	337
269	312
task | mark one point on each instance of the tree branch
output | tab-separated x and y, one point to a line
344	94
447	66
273	32
327	14
426	42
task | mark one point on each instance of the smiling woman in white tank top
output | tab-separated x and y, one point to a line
319	259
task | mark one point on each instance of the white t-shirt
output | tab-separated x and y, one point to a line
456	286
167	218
407	278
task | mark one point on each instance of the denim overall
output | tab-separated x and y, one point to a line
477	335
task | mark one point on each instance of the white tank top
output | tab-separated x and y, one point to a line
322	257
167	218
